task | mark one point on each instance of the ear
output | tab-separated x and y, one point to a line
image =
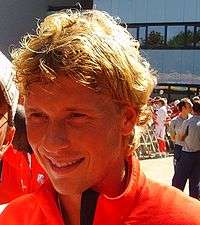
9	136
129	119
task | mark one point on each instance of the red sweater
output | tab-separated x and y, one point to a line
144	202
21	174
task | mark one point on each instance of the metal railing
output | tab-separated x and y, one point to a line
148	147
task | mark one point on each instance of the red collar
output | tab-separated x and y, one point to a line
118	208
47	200
115	209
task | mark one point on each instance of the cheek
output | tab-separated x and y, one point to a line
34	134
34	138
102	141
103	150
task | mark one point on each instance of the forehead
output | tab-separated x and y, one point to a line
64	92
188	104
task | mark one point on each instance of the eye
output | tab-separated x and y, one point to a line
77	115
37	117
76	118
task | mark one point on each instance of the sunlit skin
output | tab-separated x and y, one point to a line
66	123
78	137
188	108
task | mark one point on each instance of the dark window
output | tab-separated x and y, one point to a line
197	36
167	35
176	36
156	36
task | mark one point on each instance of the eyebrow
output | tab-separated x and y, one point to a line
67	109
32	110
75	109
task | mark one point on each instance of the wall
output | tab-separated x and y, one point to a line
169	61
146	11
17	18
154	11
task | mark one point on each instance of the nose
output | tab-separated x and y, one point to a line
56	137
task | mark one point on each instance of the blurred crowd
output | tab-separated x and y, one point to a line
163	112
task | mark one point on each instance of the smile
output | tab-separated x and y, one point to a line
63	167
64	164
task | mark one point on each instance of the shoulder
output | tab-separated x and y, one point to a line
31	208
186	122
162	110
160	204
38	208
24	203
19	211
174	120
190	118
12	156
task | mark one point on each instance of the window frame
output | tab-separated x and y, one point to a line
195	25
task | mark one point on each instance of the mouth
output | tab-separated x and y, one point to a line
64	167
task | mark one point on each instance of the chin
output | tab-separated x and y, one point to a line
66	189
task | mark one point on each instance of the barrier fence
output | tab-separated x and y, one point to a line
149	148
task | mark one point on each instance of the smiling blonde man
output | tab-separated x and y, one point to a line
86	89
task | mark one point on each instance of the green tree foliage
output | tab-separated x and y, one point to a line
155	39
178	41
197	38
184	39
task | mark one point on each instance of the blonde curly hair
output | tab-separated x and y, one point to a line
91	47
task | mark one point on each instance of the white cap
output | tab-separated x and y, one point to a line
7	83
176	102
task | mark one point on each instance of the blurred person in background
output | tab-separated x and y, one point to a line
20	172
8	104
32	175
195	98
188	164
184	108
174	108
160	125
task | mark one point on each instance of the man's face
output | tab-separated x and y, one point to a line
75	134
187	108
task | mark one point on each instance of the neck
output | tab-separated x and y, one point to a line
115	182
70	206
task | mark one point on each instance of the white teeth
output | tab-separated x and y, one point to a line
58	164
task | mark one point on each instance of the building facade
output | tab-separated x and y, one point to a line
169	35
168	31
